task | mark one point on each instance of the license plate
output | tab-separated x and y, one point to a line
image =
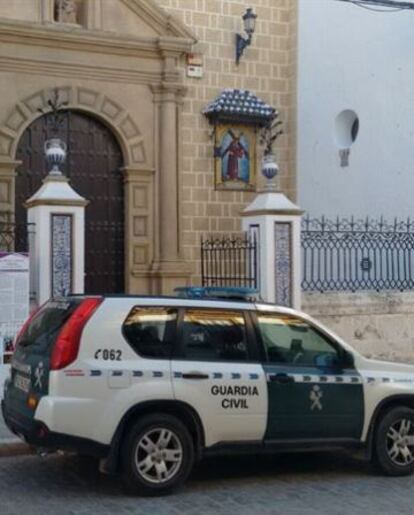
22	383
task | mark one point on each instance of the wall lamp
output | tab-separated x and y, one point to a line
249	21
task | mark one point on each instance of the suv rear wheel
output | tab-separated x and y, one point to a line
157	455
394	442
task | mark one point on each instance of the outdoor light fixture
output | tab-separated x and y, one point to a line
249	21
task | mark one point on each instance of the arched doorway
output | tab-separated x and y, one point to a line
93	165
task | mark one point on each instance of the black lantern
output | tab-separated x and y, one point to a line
249	21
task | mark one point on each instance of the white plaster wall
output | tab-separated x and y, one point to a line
379	325
352	58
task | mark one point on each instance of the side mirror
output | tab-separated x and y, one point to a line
347	360
327	361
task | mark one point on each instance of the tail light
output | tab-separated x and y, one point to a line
66	348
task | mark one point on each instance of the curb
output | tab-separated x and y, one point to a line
14	447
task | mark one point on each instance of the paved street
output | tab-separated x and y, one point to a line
299	484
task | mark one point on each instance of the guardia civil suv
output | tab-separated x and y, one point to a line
150	385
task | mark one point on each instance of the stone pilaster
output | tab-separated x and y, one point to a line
93	15
47	8
7	188
139	229
169	269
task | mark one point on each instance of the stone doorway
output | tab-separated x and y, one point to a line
94	167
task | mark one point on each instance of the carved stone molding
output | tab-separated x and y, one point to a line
168	92
80	71
161	21
116	116
74	38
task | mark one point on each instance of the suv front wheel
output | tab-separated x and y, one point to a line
157	455
394	442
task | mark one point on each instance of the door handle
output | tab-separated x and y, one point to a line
195	375
281	378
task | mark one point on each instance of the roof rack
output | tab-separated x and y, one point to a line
216	292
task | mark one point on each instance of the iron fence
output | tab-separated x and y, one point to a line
15	237
353	255
229	261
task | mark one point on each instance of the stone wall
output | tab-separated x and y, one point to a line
268	68
379	325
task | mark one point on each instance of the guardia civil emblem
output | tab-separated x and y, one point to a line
315	397
39	372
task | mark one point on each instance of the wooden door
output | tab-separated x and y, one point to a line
93	166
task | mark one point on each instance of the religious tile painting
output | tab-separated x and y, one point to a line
235	157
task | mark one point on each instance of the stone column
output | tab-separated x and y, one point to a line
276	223
169	269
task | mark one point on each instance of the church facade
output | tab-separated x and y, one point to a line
140	149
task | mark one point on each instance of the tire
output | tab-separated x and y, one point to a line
394	442
157	455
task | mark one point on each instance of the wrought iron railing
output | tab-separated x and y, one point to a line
354	255
229	261
15	237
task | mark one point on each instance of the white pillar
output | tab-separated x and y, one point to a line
276	222
57	250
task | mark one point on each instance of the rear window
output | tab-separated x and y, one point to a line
150	331
46	324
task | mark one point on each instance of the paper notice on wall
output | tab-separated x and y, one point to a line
14	299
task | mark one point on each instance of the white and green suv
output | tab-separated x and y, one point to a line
151	384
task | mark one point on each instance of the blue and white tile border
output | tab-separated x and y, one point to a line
283	263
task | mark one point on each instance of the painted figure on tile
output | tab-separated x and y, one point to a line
235	157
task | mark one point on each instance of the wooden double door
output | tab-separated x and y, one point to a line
94	167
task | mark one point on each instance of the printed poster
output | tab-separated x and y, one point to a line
14	300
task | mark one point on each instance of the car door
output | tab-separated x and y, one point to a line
217	372
150	331
314	390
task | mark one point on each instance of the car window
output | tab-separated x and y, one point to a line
290	340
43	328
150	331
214	335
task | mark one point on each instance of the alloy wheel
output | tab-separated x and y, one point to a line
400	442
158	455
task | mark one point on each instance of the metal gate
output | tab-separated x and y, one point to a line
93	166
229	261
357	255
14	236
